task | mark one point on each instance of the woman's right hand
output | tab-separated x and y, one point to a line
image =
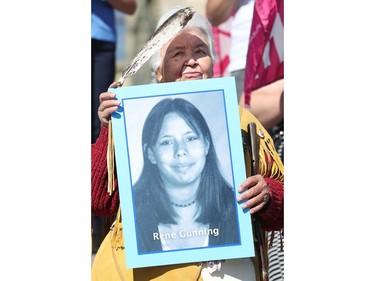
107	106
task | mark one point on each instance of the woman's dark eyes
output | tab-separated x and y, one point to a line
170	142
180	53
191	138
177	54
166	142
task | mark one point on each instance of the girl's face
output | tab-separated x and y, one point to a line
179	152
186	57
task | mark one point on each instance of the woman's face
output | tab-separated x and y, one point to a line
186	57
179	152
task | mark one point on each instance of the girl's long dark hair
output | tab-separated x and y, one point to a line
149	194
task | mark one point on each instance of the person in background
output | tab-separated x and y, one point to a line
103	59
103	50
219	11
188	55
266	103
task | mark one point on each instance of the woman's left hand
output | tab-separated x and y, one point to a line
256	191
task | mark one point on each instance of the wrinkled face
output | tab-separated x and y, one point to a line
179	152
185	57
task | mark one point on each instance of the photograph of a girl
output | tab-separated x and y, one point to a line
181	199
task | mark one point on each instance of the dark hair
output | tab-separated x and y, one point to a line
149	193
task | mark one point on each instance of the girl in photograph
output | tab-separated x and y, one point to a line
181	198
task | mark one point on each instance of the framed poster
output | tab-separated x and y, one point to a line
179	160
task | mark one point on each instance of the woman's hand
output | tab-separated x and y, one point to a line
107	106
256	191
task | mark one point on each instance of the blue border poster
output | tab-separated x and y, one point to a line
216	99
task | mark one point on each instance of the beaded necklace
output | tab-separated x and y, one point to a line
183	205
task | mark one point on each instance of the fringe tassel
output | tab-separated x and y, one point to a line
117	240
110	160
270	164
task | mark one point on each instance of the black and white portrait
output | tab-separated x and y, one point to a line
181	171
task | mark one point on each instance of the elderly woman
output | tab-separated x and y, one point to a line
189	55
